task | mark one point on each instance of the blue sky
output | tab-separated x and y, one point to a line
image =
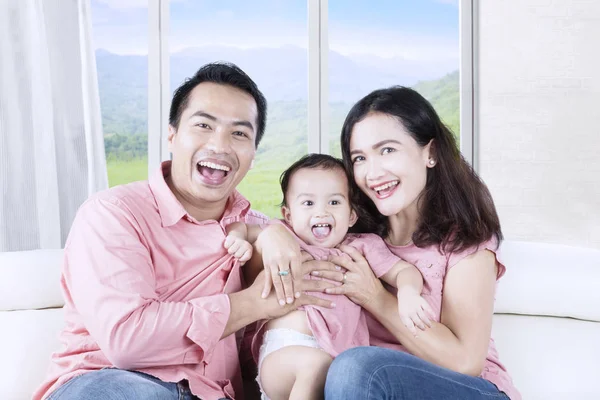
416	30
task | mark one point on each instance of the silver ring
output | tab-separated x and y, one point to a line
344	278
283	273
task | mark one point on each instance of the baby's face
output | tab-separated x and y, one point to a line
318	206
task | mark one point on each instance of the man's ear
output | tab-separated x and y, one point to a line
287	215
172	133
353	218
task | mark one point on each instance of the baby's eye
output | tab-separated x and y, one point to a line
307	203
335	202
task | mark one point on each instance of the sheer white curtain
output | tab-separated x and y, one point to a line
51	143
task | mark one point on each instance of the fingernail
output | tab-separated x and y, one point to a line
338	267
333	305
315	273
297	295
327	290
264	295
281	302
290	300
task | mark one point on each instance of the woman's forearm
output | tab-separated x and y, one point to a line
436	344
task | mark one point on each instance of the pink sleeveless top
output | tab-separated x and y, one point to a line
433	266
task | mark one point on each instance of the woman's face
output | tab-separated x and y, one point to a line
389	165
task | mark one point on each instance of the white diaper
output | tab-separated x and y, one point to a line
276	339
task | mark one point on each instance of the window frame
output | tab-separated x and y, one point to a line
159	93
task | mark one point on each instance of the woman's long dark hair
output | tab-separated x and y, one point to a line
457	210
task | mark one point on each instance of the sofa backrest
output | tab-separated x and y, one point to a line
546	327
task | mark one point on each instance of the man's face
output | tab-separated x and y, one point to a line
214	144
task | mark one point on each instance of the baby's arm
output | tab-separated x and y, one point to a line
413	309
239	240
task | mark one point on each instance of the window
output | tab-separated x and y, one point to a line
283	46
398	42
268	40
120	31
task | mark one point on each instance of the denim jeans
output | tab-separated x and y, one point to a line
118	384
373	373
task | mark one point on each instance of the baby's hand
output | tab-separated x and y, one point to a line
239	248
414	310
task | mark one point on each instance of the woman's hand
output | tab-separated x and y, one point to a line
359	283
281	260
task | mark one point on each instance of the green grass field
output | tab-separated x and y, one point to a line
120	172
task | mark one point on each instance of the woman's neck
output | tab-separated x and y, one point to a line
402	227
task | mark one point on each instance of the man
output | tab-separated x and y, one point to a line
152	299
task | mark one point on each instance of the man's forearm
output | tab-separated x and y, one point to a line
244	310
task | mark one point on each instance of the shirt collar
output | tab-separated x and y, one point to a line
171	210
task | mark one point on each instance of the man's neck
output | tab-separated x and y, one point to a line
200	212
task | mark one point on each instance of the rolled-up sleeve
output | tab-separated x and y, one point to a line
109	276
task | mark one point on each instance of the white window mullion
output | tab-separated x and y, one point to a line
324	78
314	76
159	96
468	81
165	81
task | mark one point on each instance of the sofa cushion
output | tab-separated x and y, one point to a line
30	279
549	279
550	358
27	339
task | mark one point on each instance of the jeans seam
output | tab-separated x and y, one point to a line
499	394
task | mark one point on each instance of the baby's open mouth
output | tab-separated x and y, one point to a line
321	231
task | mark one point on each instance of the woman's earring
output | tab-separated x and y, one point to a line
432	162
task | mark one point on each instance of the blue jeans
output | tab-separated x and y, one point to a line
374	373
118	384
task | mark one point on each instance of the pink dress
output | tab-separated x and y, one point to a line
433	266
345	326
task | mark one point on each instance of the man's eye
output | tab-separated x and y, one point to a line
203	126
240	133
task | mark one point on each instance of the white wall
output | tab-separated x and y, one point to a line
539	117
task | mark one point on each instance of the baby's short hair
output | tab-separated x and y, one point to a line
310	161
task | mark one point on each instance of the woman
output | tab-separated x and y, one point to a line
433	211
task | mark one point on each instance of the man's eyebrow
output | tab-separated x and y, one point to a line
206	115
247	124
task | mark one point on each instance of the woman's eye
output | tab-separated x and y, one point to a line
387	150
357	159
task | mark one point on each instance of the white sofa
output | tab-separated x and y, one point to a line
547	322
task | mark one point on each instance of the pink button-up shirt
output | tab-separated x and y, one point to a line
434	266
145	289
